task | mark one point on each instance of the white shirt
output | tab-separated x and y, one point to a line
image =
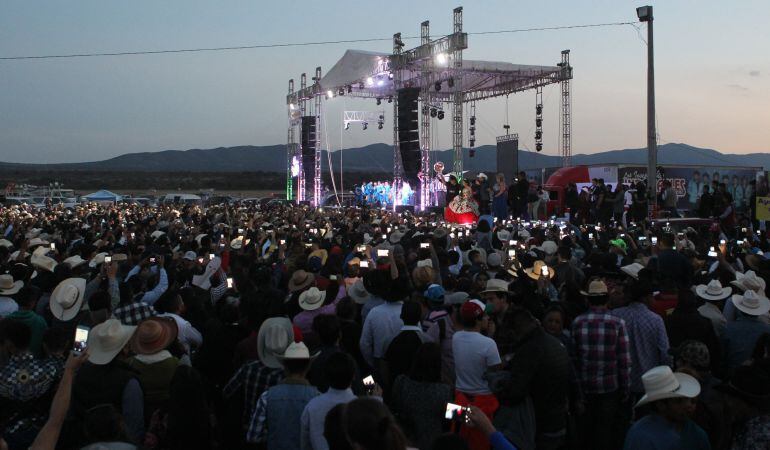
314	415
473	354
188	336
7	306
381	325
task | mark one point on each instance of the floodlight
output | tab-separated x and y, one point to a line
442	58
365	125
370	81
329	94
440	115
644	13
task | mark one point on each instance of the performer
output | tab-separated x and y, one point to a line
463	209
437	185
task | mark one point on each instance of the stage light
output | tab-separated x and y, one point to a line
390	99
341	91
379	101
380	82
350	89
450	82
347	125
366	125
329	94
539	109
370	81
538	135
433	112
440	115
291	106
438	86
538	122
442	58
294	166
538	146
379	125
473	120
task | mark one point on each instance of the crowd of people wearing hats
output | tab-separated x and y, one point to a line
290	327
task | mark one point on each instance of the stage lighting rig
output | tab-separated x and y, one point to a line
440	115
365	125
433	112
347	125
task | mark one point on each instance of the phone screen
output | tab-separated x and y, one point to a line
81	339
364	264
368	380
424	245
152	260
361	248
382	253
108	259
211	256
452	411
654	240
511	253
53	246
229	283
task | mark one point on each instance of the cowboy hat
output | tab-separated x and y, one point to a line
153	335
74	261
67	298
156	234
548	247
749	281
713	291
320	253
296	350
425	263
237	243
495	285
751	303
43	262
299	280
596	288
203	280
199	237
274	336
536	271
395	237
494	260
33	233
97	260
312	299
107	339
456	298
358	292
6	243
8	286
504	236
632	270
661	383
481	175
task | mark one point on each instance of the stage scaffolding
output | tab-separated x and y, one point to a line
446	81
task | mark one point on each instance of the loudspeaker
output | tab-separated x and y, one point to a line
409	132
508	157
308	142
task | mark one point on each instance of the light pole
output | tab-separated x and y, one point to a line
645	15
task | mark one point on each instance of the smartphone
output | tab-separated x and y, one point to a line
454	411
108	259
53	246
511	253
654	240
384	236
364	264
361	248
451	235
333	277
211	256
722	242
642	238
382	253
229	283
240	230
739	242
133	235
590	235
81	339
743	230
152	260
424	245
283	241
200	260
544	270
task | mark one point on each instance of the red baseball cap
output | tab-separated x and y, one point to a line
472	310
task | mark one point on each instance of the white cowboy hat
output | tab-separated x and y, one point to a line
97	260
358	292
312	299
67	298
237	243
37	241
713	291
425	263
749	281
297	350
536	271
199	237
548	247
481	175
661	383
43	262
74	261
203	281
495	285
6	243
156	234
8	286
274	336
504	236
751	303
596	288
107	339
632	270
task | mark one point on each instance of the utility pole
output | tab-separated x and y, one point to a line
645	15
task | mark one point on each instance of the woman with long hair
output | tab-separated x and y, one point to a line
369	425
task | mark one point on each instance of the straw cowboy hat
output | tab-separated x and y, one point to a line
312	299
632	270
203	281
67	298
274	337
596	288
751	303
358	292
74	261
8	286
43	262
495	285
535	272
107	339
299	280
320	253
297	350
661	383
237	243
97	260
153	335
749	281
713	291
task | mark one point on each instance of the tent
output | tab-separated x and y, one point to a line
102	196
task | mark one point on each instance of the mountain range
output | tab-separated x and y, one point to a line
379	158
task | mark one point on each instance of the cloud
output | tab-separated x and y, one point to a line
738	87
754	73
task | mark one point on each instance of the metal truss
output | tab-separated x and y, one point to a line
301	192
290	147
425	95
363	116
457	100
398	167
566	112
317	159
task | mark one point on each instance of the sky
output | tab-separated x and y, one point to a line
712	61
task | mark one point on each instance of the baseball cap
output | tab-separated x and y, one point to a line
472	310
190	255
435	293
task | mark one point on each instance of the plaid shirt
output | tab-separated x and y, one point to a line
254	378
133	313
25	379
603	359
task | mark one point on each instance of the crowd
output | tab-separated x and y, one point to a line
290	327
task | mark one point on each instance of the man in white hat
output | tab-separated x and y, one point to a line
671	396
276	419
714	296
8	288
107	379
741	334
255	377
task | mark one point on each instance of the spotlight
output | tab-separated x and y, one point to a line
433	112
350	89
341	91
538	135
538	122
644	13
347	125
438	86
329	94
440	115
390	99
539	109
538	146
473	120
450	82
442	58
379	101
370	81
365	125
472	141
473	131
379	125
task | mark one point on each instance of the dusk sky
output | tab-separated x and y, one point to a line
712	72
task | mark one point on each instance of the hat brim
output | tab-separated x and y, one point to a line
593	294
688	388
312	306
293	287
764	306
170	333
17	285
536	276
70	313
700	290
101	356
281	358
268	358
501	291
